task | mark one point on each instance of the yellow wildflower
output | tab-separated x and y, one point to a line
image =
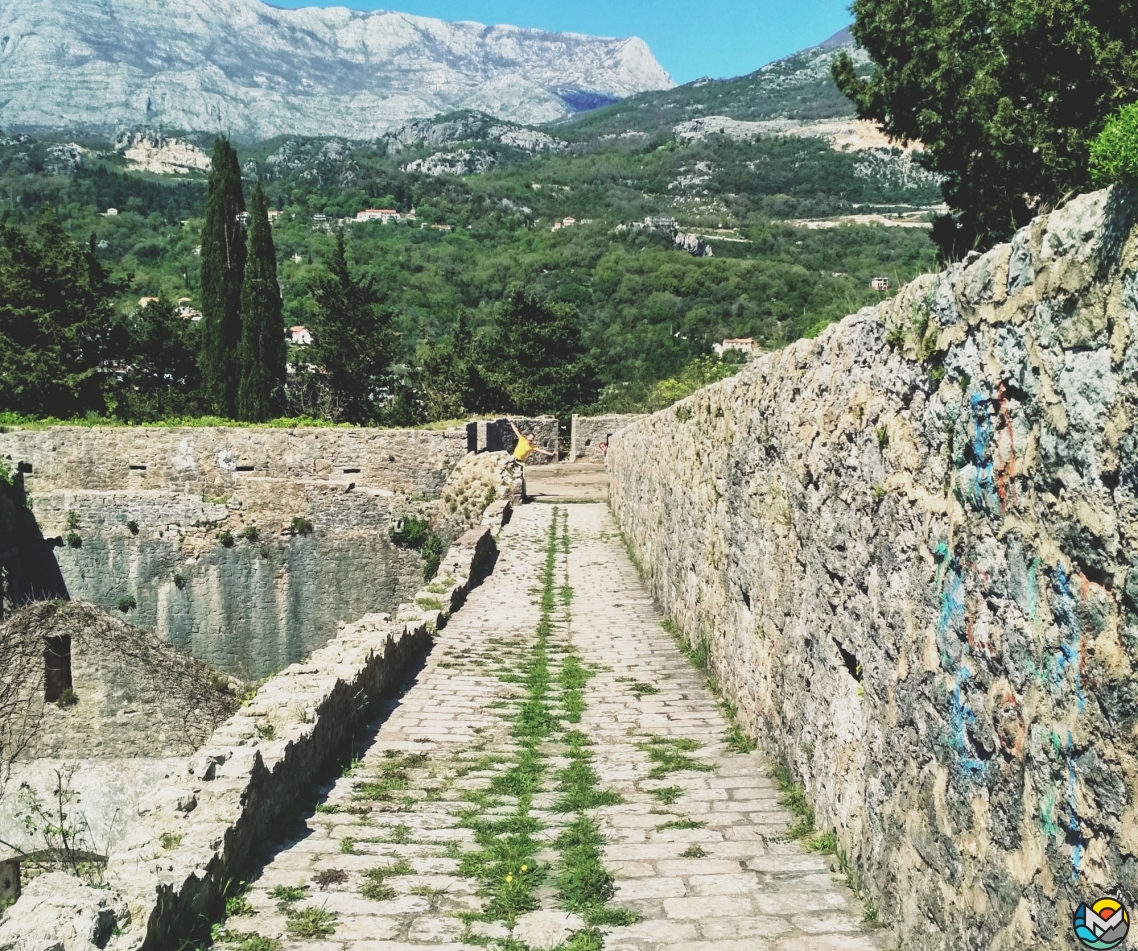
509	878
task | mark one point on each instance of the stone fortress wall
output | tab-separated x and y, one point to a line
590	431
216	460
912	547
140	513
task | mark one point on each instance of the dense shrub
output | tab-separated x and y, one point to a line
411	532
1114	154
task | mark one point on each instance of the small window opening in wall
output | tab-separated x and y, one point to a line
57	667
351	472
25	468
9	882
138	468
245	468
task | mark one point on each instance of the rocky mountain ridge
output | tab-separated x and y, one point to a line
255	71
797	88
470	127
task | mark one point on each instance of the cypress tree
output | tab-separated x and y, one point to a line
223	273
354	342
262	353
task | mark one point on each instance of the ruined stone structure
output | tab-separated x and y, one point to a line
497	435
195	819
910	546
104	712
590	431
245	547
221	460
132	694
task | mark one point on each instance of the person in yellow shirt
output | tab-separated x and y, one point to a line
527	445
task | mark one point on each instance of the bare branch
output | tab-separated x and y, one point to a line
21	690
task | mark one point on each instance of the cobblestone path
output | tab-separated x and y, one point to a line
557	776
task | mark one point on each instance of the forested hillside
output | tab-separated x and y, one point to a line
784	225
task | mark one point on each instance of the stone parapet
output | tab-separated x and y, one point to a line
218	460
590	431
911	549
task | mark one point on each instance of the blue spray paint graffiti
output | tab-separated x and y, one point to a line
1073	820
1069	656
962	717
951	639
983	493
951	615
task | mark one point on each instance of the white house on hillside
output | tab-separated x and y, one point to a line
384	215
745	345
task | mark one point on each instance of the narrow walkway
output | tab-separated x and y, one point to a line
568	482
555	777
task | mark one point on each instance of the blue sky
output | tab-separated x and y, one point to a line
692	38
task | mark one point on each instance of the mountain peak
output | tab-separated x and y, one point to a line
842	38
257	71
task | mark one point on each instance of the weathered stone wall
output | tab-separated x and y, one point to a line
221	806
134	694
912	546
259	604
497	435
590	431
219	461
249	609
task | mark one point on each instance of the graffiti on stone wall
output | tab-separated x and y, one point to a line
976	557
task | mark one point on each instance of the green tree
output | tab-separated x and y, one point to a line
261	358
56	324
223	272
353	342
449	381
164	378
1005	95
533	360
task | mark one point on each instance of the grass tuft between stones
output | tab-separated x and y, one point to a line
311	923
247	941
669	755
